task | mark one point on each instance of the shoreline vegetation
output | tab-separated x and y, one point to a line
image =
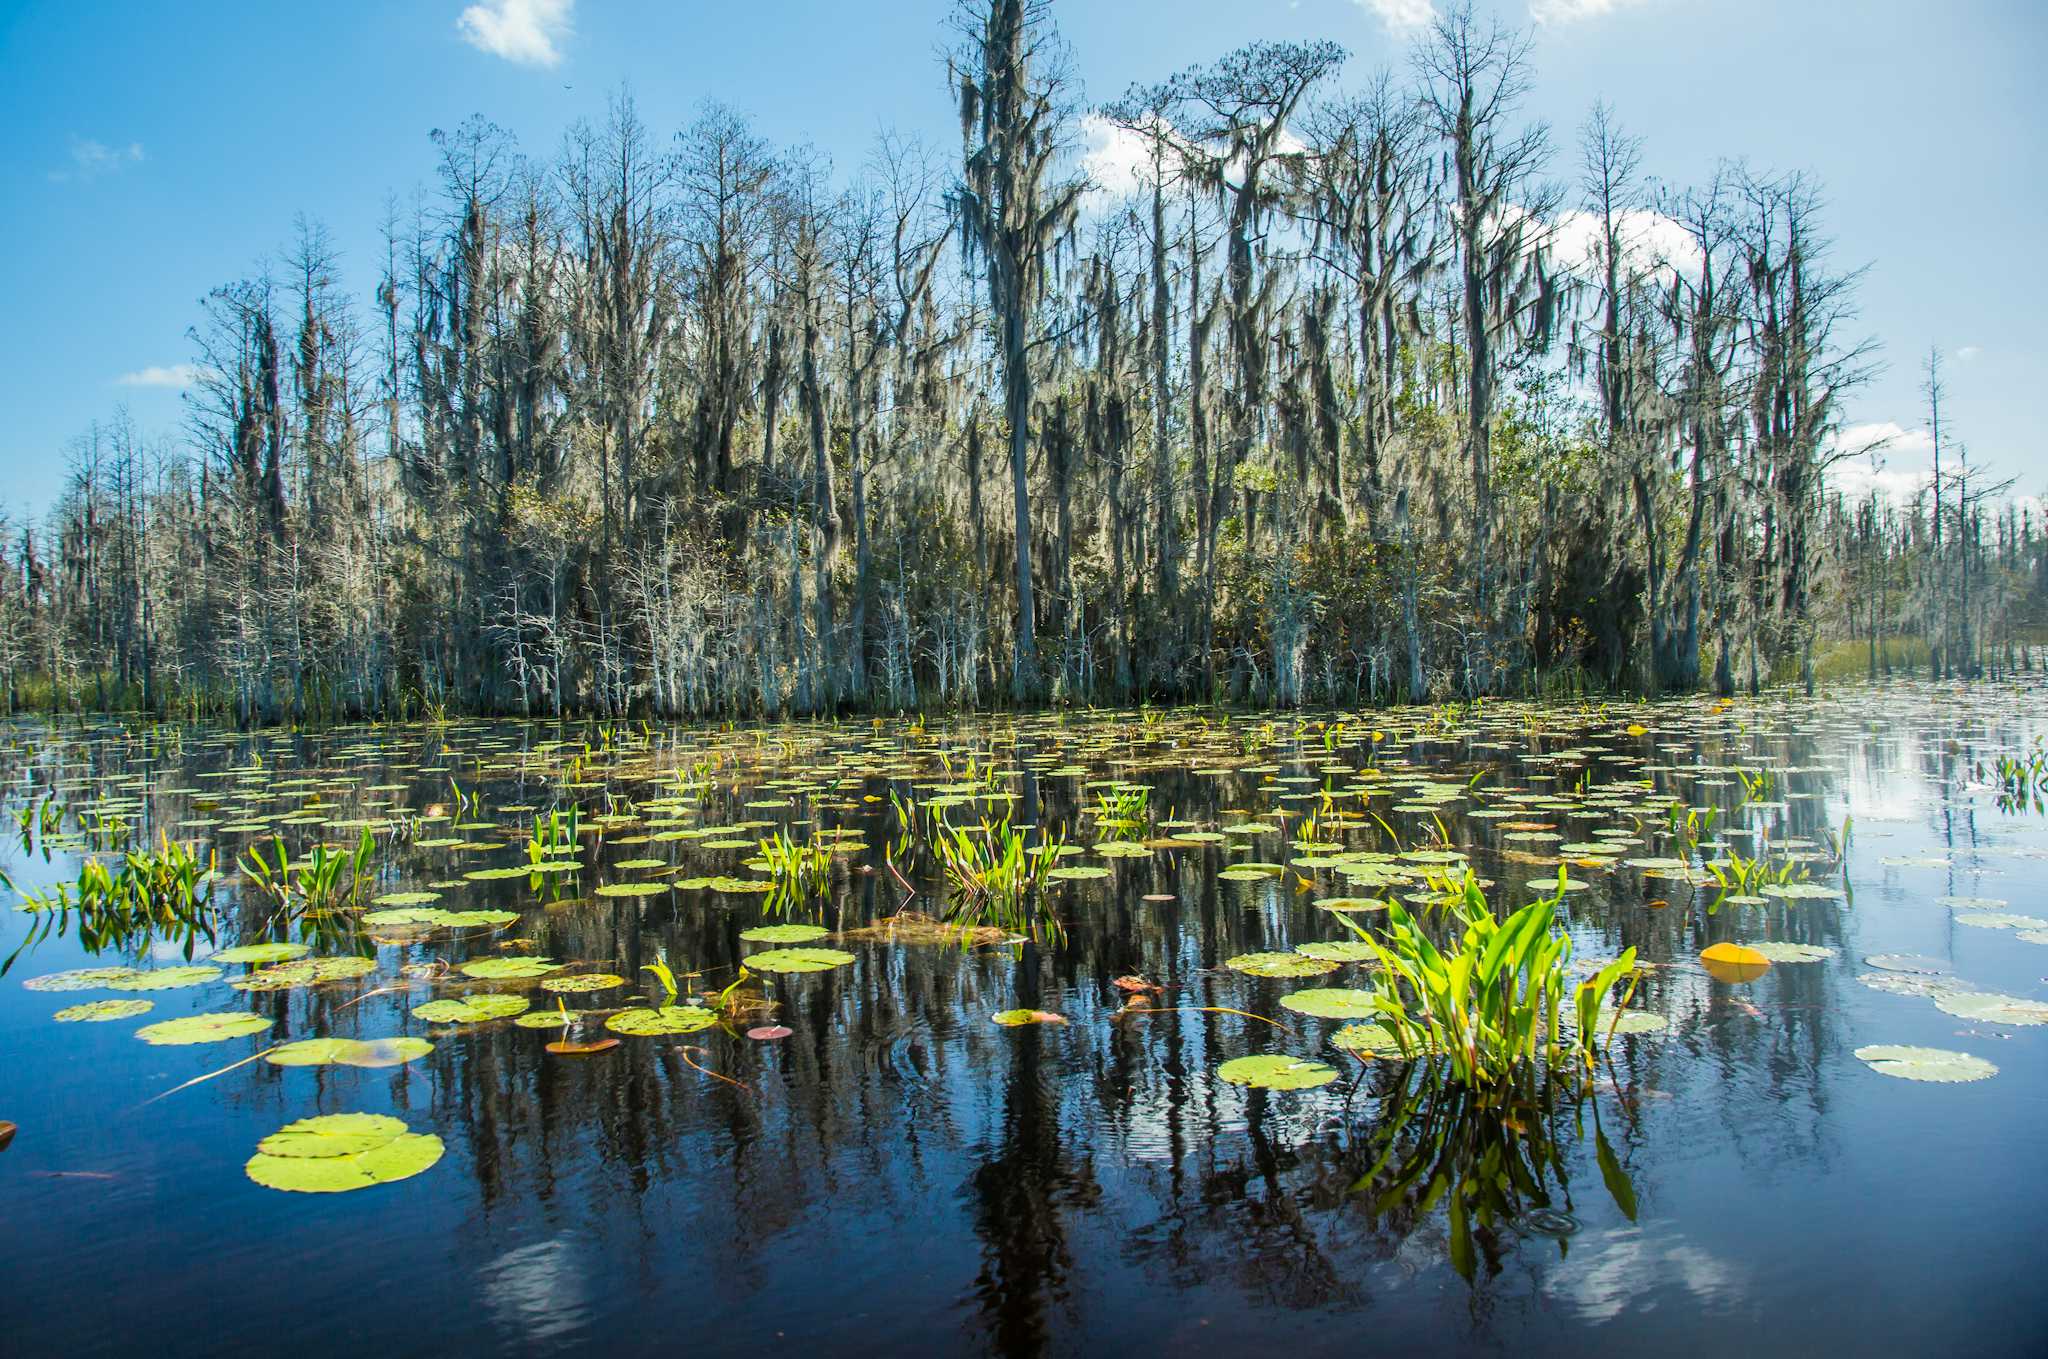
1342	383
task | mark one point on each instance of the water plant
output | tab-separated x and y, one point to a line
323	879
1490	1003
800	870
994	869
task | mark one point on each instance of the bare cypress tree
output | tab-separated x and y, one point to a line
1010	77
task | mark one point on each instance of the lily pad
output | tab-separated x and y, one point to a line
784	934
503	969
1275	1071
1332	1002
666	1019
1339	951
304	972
78	979
261	953
340	1152
1372	1040
474	1008
1279	965
100	1011
632	889
582	981
797	960
373	1052
165	979
1991	1008
1925	1064
1778	951
209	1028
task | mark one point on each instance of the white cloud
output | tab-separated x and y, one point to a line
1969	353
175	375
1117	159
91	159
1571	11
523	31
1603	1278
1650	240
1399	15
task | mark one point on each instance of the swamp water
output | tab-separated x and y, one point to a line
846	1153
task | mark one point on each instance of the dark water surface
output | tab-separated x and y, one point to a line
902	1175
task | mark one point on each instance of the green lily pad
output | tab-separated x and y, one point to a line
1279	965
1076	872
1633	1021
1338	951
1373	1040
1780	952
632	889
797	960
474	1008
1276	1071
406	899
341	1152
372	1052
548	1019
582	981
261	953
1332	1002
165	979
667	1019
503	969
784	934
304	972
1925	1064
78	979
100	1011
209	1028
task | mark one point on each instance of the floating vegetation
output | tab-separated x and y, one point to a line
475	1008
1989	1007
370	1052
1275	1072
336	1153
304	972
1333	1003
261	953
784	934
100	1011
1461	1034
798	959
165	979
653	1022
1016	1019
207	1028
581	981
1279	965
1925	1064
508	969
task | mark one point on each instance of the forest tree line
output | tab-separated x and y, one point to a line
1344	393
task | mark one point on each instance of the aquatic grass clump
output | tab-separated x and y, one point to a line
322	880
143	895
1492	1001
994	870
799	870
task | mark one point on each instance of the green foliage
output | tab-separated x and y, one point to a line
1492	1000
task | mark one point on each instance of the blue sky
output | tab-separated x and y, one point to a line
156	151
